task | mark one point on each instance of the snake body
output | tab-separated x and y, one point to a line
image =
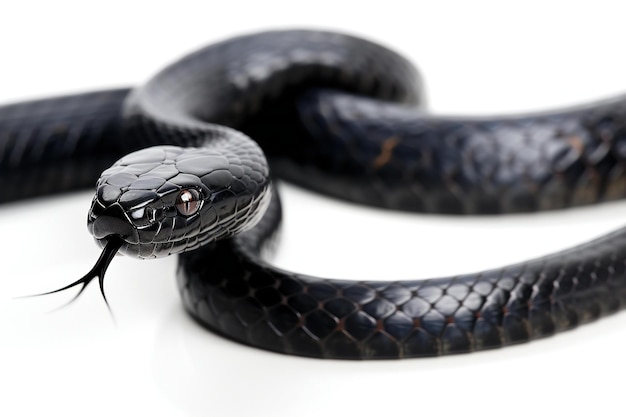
345	117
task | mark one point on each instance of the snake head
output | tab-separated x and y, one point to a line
165	200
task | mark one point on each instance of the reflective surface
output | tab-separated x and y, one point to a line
156	360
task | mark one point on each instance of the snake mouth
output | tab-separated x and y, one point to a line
156	241
167	237
154	250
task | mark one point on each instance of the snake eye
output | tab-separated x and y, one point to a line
188	202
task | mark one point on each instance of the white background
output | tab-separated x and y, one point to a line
477	57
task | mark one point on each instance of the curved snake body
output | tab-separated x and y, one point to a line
342	116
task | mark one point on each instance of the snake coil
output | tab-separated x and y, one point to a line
342	116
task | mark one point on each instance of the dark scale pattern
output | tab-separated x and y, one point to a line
388	155
342	116
136	197
227	287
60	144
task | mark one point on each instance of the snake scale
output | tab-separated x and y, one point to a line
345	117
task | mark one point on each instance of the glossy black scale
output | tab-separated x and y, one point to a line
342	116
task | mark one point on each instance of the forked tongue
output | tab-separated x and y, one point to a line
114	243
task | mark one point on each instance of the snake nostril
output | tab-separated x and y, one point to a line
112	221
154	214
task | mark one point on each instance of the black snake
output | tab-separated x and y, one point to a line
342	116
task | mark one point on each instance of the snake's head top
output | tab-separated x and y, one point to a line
166	200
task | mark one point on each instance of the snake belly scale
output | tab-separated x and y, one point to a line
345	117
